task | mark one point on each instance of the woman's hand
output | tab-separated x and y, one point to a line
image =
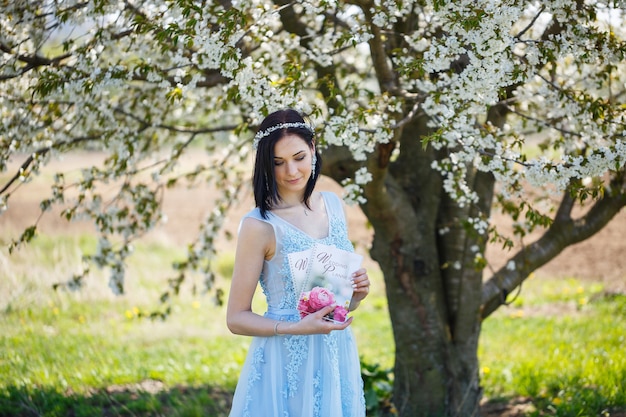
361	285
314	323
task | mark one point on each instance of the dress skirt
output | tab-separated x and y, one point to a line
300	376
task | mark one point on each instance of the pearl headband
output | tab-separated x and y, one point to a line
263	133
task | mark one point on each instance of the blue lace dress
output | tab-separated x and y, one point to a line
299	376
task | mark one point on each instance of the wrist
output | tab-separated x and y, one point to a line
282	328
354	304
276	329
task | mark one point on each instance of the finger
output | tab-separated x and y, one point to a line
346	323
359	272
341	326
360	282
363	285
325	311
360	278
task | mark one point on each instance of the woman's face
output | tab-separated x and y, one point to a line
292	164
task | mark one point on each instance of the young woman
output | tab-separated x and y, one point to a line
296	367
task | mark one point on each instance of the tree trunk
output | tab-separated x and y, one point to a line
434	307
436	296
434	375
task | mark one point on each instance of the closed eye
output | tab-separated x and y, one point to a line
278	162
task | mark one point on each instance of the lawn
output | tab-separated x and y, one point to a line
559	345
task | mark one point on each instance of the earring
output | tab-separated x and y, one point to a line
313	162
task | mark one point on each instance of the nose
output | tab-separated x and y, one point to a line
292	168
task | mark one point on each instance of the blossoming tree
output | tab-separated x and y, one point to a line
436	112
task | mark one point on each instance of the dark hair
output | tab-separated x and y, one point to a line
263	181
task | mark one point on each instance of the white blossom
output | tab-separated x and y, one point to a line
132	93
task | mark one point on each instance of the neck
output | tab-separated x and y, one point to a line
292	201
290	204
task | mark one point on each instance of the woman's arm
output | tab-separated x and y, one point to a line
256	243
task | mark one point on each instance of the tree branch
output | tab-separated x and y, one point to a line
564	212
32	61
291	23
384	73
144	124
531	24
41	152
563	233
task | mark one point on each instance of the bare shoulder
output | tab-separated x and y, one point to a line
251	227
257	234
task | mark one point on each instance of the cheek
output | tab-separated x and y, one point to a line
280	171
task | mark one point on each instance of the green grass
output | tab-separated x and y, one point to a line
562	345
90	353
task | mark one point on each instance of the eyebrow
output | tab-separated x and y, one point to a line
295	154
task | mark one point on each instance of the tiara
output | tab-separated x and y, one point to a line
263	133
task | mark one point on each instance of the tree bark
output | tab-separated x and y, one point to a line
435	326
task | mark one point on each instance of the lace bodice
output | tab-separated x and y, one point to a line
313	375
276	280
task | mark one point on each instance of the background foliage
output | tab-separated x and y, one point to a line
417	104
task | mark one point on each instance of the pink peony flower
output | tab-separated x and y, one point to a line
340	314
320	298
303	304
